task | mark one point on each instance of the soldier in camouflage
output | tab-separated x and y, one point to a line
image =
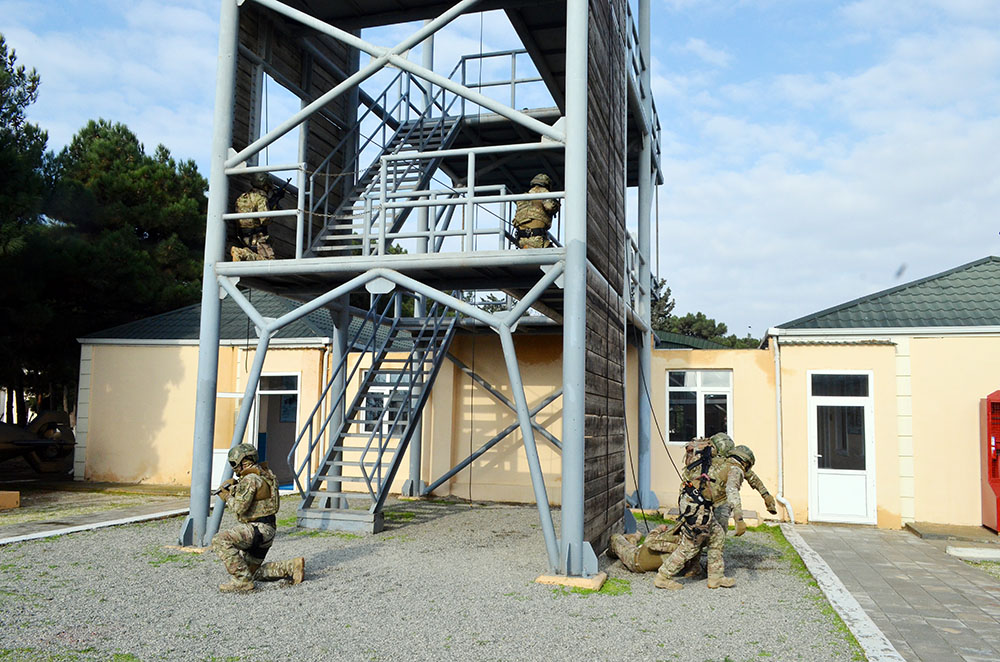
698	529
727	463
646	556
533	218
253	498
252	232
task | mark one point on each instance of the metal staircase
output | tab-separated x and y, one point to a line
394	360
352	227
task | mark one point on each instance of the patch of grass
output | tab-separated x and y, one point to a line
160	557
288	521
318	533
399	515
989	567
652	520
612	586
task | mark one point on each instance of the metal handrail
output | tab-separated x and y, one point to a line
405	369
352	343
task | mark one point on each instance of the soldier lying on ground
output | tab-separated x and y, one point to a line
253	499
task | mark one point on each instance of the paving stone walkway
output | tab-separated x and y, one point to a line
930	605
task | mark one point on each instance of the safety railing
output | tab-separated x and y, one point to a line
299	170
634	260
378	325
470	199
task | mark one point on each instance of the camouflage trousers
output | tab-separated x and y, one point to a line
256	246
690	547
722	513
242	550
645	557
534	242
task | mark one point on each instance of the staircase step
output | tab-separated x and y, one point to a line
333	478
333	519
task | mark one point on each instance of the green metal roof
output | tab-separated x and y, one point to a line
670	340
968	295
184	323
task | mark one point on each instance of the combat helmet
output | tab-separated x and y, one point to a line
260	180
541	179
744	455
239	453
723	444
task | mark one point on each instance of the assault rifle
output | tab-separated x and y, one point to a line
279	193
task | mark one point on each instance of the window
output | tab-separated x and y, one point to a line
699	403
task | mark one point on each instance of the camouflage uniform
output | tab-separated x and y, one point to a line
254	501
647	556
252	231
698	530
534	217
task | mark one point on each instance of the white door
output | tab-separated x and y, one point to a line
841	447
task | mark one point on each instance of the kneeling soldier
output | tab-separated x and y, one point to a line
253	498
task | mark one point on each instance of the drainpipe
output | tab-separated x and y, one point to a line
777	408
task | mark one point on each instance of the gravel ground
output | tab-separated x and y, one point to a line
444	581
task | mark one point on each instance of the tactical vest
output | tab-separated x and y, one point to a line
718	475
266	499
695	514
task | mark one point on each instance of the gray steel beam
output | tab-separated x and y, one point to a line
571	554
507	403
194	528
242	418
530	450
497	438
644	497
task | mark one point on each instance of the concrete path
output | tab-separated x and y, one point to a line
69	524
931	606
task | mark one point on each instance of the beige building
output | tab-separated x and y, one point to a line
868	412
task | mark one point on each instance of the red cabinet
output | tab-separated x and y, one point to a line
990	463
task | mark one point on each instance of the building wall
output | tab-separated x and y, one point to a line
796	361
139	414
950	377
753	421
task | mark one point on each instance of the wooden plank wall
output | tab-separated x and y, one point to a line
278	43
604	468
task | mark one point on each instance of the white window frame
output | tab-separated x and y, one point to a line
701	391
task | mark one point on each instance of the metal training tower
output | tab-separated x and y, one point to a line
399	219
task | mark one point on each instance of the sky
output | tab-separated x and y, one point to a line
813	152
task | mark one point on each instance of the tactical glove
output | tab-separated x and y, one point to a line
741	527
770	505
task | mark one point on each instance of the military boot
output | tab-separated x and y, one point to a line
237	585
724	582
298	570
693	568
662	581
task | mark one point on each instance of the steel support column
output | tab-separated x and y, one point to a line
530	449
194	528
571	553
242	418
341	333
644	497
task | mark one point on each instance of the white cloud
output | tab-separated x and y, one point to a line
767	219
706	53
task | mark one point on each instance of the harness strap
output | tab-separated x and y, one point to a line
532	232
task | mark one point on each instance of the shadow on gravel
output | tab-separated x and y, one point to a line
408	513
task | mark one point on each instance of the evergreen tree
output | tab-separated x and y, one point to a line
22	184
